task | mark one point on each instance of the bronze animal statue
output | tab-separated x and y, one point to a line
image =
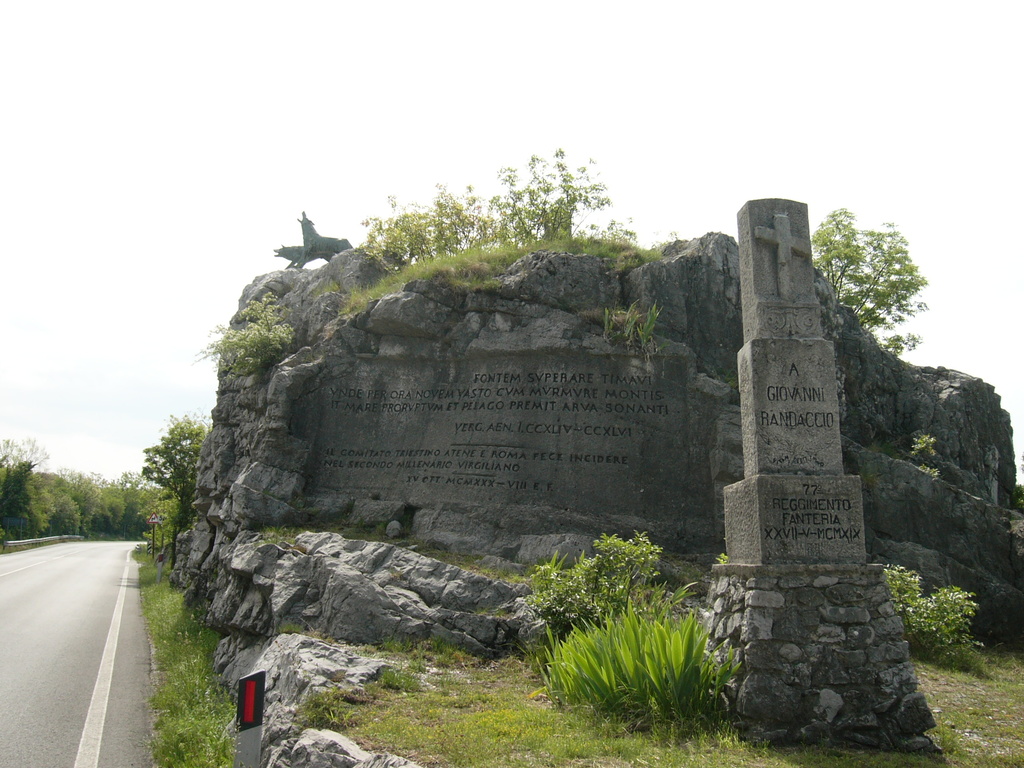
314	246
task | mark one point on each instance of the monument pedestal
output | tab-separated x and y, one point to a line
821	646
787	519
823	659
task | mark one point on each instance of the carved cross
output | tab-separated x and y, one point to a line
788	245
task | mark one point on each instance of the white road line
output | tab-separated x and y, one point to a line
92	733
41	562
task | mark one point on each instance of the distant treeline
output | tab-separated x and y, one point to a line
35	504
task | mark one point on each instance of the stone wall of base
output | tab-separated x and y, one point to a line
823	656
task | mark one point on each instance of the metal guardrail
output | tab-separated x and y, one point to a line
26	542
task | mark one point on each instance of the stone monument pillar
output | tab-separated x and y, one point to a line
813	625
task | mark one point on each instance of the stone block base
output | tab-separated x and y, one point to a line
792	519
823	656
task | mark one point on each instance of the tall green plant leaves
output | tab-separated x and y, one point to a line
645	671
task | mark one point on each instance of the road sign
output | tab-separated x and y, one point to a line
155	519
249	719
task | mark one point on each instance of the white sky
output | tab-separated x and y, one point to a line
153	155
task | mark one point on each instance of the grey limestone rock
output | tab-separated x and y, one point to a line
569	281
362	592
328	749
503	422
298	666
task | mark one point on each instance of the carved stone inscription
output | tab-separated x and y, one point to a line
562	433
791	408
797	519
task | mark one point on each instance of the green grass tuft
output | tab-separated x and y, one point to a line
334	708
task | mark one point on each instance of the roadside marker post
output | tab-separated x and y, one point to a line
155	520
249	720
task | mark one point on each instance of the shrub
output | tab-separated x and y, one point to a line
923	448
924	445
448	226
938	627
256	346
593	587
549	205
645	671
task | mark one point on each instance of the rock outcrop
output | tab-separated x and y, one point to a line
357	592
505	420
298	667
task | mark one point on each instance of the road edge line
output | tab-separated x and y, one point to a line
92	733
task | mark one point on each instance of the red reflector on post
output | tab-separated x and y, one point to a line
250	701
251	688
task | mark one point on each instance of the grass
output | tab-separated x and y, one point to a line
640	669
469	713
477	268
981	718
192	708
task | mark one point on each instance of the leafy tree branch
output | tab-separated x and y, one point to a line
871	272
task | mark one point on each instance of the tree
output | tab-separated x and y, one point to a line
871	272
551	205
15	499
173	465
84	492
449	225
18	459
15	451
136	496
63	516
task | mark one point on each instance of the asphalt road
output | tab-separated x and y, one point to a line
74	659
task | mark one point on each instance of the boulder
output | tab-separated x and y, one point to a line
361	592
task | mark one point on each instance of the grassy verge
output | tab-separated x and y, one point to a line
468	712
980	716
192	708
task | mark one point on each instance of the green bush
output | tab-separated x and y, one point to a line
548	205
938	627
448	226
593	587
642	670
924	448
256	346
